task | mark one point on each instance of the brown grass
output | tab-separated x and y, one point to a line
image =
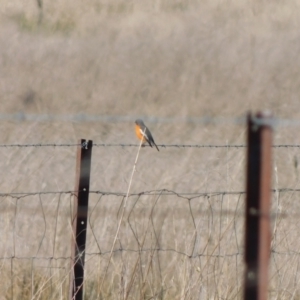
184	58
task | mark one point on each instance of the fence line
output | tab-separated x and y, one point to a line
209	197
147	227
159	192
141	250
54	145
56	261
87	118
120	250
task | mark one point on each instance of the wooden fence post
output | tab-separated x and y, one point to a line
257	231
79	218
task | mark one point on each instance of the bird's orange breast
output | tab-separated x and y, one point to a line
138	133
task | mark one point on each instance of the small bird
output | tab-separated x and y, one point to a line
143	133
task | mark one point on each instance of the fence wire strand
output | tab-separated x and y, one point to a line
120	145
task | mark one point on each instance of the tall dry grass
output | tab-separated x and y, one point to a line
147	59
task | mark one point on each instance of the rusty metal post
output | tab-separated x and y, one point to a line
79	219
258	235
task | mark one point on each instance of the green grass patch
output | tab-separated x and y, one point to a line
63	25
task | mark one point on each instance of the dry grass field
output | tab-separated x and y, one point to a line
166	62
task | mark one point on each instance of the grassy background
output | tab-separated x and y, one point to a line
150	59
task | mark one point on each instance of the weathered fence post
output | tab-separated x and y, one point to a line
79	218
257	235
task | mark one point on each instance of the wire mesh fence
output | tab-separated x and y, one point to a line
173	243
169	243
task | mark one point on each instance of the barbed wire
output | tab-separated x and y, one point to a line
88	118
39	145
54	145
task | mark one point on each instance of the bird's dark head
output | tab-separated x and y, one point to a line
139	122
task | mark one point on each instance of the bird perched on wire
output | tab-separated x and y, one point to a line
144	134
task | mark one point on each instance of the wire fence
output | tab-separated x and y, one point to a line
54	145
169	241
192	237
88	118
